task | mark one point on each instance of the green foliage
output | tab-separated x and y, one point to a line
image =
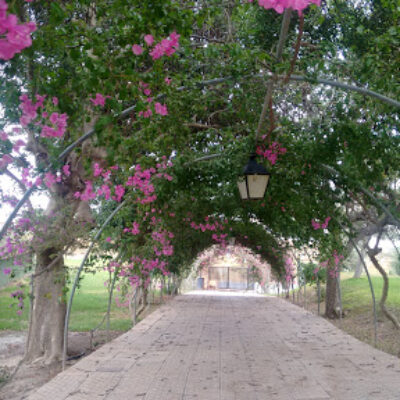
310	276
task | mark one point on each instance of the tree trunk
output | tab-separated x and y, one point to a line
45	336
372	255
359	266
330	298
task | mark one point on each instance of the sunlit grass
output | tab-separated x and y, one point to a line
89	305
356	293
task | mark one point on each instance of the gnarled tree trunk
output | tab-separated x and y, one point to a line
385	290
45	337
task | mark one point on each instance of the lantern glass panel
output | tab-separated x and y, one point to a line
257	185
242	188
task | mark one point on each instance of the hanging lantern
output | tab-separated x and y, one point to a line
253	184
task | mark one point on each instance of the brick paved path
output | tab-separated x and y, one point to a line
234	348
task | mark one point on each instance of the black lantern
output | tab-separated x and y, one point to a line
253	184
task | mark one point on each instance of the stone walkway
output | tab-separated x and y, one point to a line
208	347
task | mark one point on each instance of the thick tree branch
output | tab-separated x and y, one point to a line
278	56
395	221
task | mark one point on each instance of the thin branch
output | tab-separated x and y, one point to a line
200	126
347	87
19	183
270	85
69	306
371	287
395	221
296	49
206	158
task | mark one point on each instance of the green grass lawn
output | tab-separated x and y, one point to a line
356	293
89	306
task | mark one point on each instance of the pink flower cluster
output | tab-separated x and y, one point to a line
280	5
14	37
163	238
333	264
141	181
13	247
211	226
100	100
272	152
57	123
290	270
19	295
159	108
5	160
58	127
316	225
144	267
134	230
29	108
166	47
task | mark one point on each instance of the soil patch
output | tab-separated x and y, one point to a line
28	378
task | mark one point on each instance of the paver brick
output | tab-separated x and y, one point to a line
230	347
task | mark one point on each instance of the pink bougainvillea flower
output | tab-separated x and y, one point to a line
149	39
148	113
59	122
49	179
66	170
161	109
167	80
18	144
99	100
5	160
157	52
3	136
6	271
119	193
166	47
315	224
280	5
16	36
55	101
137	49
97	170
108	239
326	222
135	228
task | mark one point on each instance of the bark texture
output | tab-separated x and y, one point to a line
385	290
45	336
331	296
